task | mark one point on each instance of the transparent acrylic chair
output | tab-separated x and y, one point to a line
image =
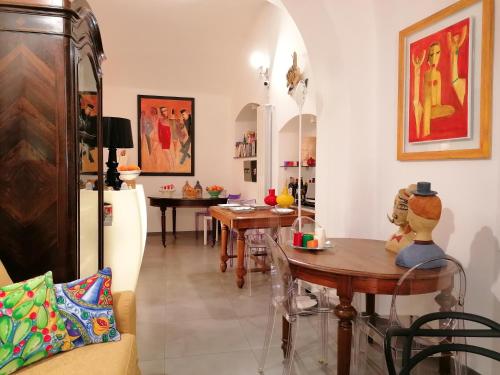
285	297
207	220
233	234
256	251
408	304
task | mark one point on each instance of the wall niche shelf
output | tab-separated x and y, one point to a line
296	166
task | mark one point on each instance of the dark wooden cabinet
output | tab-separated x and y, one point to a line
42	44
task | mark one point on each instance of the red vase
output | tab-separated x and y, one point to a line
270	200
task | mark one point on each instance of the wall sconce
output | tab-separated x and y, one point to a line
260	62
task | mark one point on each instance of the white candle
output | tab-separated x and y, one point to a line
320	235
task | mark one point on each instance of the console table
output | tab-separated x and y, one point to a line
163	201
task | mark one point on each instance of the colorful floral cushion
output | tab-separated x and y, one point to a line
87	308
31	327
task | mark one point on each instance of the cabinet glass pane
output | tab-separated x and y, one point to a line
88	164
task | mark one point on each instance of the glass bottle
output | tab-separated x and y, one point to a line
199	189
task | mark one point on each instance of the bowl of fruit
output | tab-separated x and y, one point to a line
167	189
129	172
215	190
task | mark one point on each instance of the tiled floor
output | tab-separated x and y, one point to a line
193	320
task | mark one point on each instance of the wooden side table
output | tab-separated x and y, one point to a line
257	219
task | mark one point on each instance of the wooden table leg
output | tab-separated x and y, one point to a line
370	304
223	248
370	310
174	221
285	339
214	230
163	226
346	313
240	261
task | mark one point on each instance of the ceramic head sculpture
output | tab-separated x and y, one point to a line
294	75
296	82
424	212
404	235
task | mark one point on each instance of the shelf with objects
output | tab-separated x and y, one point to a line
245	144
296	166
288	158
245	152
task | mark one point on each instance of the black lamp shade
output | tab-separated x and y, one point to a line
117	132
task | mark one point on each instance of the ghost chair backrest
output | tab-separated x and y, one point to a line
283	285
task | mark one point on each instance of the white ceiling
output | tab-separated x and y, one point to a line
193	44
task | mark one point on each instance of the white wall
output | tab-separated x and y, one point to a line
353	50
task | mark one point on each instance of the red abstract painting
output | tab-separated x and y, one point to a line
438	105
166	135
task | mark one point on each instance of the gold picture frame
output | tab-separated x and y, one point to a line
462	131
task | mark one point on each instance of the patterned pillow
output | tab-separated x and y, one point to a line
87	308
30	325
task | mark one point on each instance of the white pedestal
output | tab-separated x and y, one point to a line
125	239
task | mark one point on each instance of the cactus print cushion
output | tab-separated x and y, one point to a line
86	306
31	327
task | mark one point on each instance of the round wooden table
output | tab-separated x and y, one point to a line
358	266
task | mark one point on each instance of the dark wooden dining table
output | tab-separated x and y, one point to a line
358	266
163	201
241	222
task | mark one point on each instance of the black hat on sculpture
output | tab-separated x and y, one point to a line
424	189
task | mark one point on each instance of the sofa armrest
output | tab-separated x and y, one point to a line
124	309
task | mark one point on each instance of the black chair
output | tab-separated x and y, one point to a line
415	331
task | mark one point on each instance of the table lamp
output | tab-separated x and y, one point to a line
117	133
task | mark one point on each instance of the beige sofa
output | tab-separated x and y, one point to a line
118	358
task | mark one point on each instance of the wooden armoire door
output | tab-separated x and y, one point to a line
38	141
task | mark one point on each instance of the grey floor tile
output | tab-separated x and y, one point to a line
154	367
205	336
186	309
151	340
235	363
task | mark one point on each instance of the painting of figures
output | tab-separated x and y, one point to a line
87	130
166	135
438	105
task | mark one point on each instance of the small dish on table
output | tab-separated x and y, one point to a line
242	209
327	245
259	206
228	205
282	211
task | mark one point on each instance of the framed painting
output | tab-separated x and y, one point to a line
445	71
87	131
165	135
